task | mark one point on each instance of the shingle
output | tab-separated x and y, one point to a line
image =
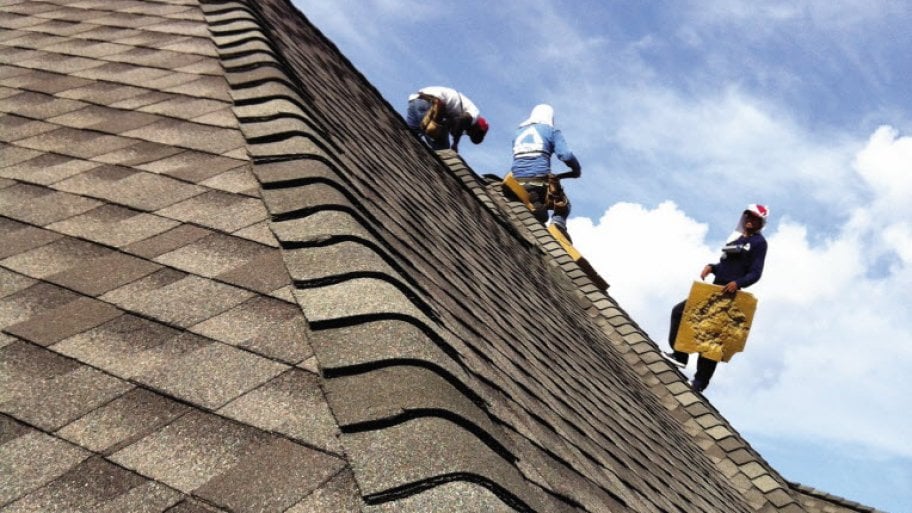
213	375
224	118
213	255
172	239
24	239
192	166
204	87
31	301
41	206
354	298
458	495
37	105
140	152
11	282
181	301
49	391
104	93
114	225
11	155
77	143
56	84
191	451
123	421
13	128
98	275
219	210
193	506
129	346
266	326
33	459
55	257
259	232
270	480
98	485
190	135
59	323
291	404
105	119
239	180
265	273
135	189
339	495
184	107
47	169
425	449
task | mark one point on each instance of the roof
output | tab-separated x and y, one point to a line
231	280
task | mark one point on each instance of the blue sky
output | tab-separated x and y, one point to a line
681	113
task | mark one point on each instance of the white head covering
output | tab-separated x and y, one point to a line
541	113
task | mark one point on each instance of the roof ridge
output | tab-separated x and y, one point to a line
731	458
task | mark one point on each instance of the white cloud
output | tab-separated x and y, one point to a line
831	339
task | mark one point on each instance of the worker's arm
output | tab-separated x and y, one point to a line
562	150
458	127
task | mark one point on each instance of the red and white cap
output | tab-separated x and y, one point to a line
757	210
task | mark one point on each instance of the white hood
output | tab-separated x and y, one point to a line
542	114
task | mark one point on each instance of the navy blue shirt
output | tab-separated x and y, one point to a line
742	261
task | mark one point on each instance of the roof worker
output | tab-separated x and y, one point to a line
435	113
535	141
740	266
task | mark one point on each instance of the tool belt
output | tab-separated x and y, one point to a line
555	198
432	123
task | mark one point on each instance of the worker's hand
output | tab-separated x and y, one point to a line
707	270
730	287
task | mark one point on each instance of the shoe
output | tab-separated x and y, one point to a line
698	386
672	360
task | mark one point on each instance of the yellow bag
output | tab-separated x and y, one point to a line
715	324
431	122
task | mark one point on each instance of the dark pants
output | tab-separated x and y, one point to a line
705	366
537	196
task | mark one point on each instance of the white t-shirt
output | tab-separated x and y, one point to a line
455	102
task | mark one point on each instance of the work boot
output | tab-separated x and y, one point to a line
698	385
674	361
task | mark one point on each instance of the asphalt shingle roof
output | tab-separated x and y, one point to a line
231	280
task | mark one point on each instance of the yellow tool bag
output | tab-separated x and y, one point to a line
715	324
432	122
555	198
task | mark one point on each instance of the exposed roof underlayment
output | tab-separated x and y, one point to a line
231	280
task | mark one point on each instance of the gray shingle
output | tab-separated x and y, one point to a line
59	323
212	375
49	391
263	325
33	459
98	485
291	404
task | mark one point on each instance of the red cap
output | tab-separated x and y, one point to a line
478	130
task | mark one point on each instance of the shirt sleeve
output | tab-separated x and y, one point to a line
563	152
758	258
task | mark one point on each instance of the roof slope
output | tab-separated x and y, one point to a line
233	281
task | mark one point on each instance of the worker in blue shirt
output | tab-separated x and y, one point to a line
740	266
535	141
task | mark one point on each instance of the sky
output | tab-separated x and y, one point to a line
683	112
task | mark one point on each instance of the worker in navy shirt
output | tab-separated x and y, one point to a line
740	266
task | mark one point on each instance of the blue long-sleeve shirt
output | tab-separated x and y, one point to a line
742	261
532	149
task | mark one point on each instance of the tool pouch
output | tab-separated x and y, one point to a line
555	199
432	122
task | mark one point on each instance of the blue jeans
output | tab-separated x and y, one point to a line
417	108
